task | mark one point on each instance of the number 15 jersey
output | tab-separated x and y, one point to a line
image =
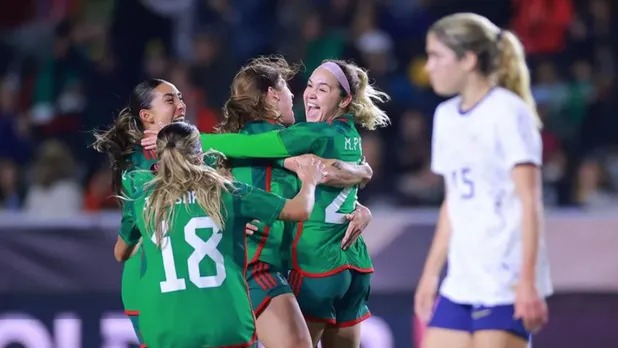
194	292
476	152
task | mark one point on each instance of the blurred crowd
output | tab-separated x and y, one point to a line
67	66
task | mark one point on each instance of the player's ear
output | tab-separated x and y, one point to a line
146	116
345	102
469	61
272	95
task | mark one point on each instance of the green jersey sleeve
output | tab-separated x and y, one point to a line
265	145
129	232
304	137
132	182
255	203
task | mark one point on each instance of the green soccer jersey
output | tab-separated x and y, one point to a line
269	244
316	250
193	292
141	161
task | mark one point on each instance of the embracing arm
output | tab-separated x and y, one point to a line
338	173
265	145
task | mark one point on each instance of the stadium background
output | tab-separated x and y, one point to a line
66	67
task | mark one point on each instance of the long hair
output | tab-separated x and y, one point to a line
181	171
500	54
119	140
249	90
364	97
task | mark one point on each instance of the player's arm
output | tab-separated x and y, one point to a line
338	173
359	220
521	143
436	259
426	290
129	236
291	141
267	207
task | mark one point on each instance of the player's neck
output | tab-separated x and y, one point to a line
476	89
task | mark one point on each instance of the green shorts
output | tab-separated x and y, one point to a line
265	283
339	299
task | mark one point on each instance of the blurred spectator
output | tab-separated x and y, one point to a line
99	195
594	190
67	67
54	192
10	190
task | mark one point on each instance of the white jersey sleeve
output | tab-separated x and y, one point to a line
438	160
519	136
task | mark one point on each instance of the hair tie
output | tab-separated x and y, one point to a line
170	145
499	35
336	70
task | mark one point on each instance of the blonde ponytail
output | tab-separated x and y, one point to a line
180	170
363	105
512	72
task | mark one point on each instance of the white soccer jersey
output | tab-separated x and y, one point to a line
475	152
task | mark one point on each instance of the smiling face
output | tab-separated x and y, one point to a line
167	106
322	96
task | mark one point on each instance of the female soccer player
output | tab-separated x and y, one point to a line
192	221
487	146
151	103
261	101
333	285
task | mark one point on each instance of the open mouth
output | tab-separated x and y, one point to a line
179	119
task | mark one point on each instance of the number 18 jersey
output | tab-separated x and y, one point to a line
194	292
316	249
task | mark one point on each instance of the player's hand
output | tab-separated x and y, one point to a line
425	297
251	227
149	141
530	307
359	219
312	173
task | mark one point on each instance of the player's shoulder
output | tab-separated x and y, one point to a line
312	126
447	107
134	181
503	98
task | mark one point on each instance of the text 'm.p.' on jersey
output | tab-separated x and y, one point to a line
475	151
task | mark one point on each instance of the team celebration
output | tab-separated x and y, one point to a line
256	194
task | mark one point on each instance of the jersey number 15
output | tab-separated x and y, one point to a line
463	183
201	249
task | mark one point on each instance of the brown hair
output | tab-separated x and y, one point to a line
248	92
499	52
126	132
364	97
181	170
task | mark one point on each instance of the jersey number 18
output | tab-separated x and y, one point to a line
201	249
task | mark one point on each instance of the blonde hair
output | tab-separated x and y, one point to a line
500	54
364	97
181	170
249	89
